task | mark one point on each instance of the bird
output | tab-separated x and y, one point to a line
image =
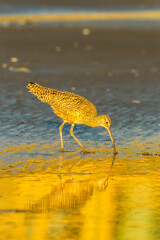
73	109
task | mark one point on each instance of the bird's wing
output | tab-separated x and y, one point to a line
71	102
69	106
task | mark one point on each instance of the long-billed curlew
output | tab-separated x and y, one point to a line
73	109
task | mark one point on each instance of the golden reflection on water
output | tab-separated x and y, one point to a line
76	196
69	194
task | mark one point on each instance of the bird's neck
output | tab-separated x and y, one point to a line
94	122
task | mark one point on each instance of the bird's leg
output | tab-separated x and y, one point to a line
61	137
72	134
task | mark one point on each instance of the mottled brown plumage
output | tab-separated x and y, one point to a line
72	108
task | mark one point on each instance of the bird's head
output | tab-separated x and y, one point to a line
105	121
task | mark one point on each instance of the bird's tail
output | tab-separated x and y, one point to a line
42	93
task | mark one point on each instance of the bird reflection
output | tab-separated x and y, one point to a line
69	194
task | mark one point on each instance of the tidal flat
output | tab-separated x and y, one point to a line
45	194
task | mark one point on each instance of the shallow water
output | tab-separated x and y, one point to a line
49	195
80	196
45	194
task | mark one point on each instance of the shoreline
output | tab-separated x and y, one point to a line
81	16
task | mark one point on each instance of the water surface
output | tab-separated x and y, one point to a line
45	194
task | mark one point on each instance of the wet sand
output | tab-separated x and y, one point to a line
116	69
42	190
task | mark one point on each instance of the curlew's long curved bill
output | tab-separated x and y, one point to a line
110	134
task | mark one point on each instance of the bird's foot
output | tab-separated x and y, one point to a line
84	151
115	152
62	149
